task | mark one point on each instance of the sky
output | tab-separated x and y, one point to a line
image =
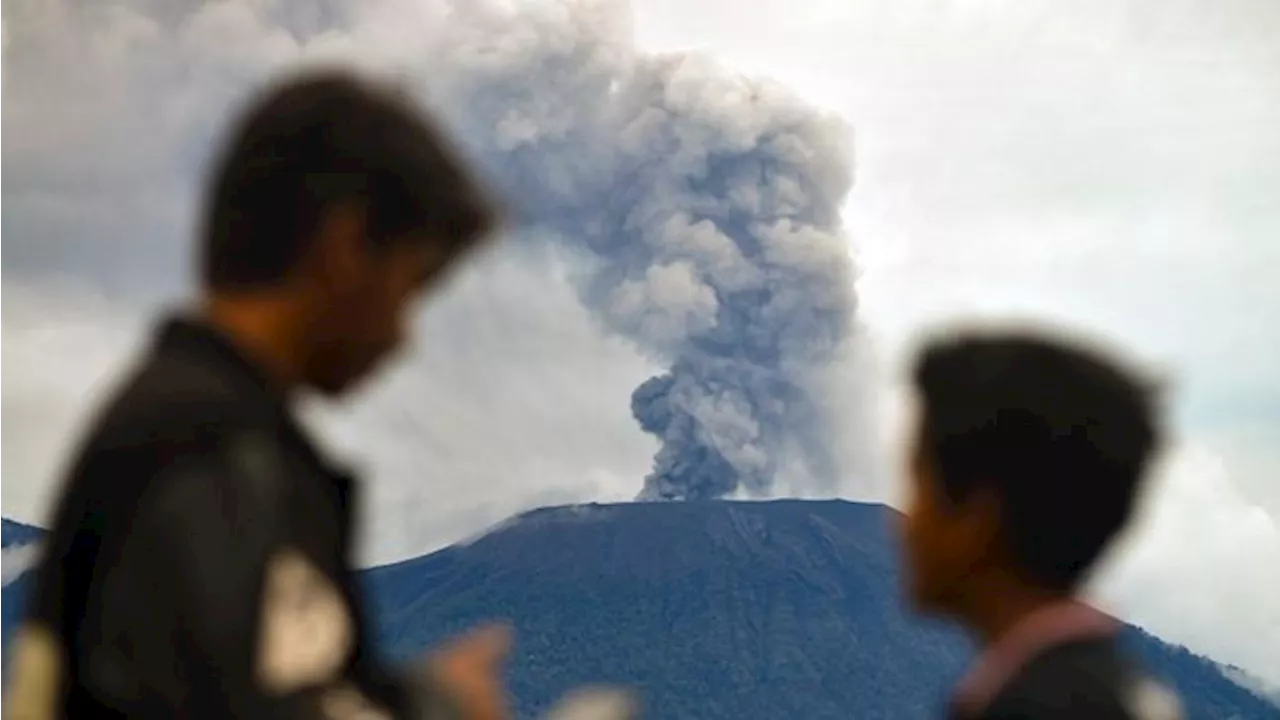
1109	167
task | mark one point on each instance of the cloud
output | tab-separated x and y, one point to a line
1198	530
511	399
62	343
17	559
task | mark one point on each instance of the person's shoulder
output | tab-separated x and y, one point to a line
157	408
164	404
1093	679
161	412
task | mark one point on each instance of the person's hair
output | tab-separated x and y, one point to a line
1060	436
320	140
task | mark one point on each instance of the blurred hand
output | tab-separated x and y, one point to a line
470	667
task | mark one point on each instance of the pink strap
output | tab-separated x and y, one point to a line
1051	625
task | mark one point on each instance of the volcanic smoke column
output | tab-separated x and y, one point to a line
704	207
730	261
708	207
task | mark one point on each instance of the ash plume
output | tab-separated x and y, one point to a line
705	207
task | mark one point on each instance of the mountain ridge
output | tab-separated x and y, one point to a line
791	573
712	609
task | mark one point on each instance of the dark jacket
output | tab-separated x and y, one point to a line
198	564
1065	664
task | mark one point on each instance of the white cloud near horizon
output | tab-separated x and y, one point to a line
1111	165
17	560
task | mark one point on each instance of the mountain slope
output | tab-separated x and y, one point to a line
716	610
712	610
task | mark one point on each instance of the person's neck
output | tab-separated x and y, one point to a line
1001	601
264	328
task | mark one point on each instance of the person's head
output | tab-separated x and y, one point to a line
1027	458
337	199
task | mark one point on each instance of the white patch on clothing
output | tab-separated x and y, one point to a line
347	703
307	633
596	703
1150	700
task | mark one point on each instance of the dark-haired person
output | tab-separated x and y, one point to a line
1029	454
198	563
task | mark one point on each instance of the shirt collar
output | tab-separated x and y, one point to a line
1055	624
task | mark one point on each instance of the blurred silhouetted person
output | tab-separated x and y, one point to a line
198	563
1028	457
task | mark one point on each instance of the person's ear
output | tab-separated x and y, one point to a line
339	254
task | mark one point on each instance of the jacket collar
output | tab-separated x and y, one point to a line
1050	626
199	340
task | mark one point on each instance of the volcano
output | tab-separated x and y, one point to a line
710	610
717	610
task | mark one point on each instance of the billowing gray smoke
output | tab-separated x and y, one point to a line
702	207
706	209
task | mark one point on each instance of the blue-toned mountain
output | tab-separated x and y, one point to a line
712	610
716	610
